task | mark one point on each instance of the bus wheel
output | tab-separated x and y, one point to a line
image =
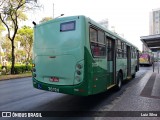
134	75
119	81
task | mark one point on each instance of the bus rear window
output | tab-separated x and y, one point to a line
68	26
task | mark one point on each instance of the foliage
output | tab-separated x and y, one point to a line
22	68
45	19
19	68
25	36
20	55
6	46
5	69
2	28
11	13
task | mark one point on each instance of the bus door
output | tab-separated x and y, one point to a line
128	61
111	61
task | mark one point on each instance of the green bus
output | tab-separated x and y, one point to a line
75	55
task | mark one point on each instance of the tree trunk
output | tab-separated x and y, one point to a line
13	57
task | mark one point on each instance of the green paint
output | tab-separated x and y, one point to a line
58	54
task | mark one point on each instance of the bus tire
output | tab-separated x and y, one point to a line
134	75
119	81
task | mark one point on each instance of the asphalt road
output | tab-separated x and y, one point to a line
19	95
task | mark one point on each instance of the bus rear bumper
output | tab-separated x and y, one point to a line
79	89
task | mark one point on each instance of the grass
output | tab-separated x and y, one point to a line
22	75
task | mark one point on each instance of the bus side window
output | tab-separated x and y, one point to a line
101	43
93	35
124	50
102	50
93	42
110	49
96	51
97	44
119	49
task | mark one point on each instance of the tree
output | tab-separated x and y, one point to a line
1	27
1	40
11	12
1	30
45	19
25	36
6	46
20	56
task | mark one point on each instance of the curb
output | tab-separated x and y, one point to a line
15	77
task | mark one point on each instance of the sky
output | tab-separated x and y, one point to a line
129	17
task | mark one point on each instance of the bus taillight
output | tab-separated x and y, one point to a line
34	70
78	72
33	65
79	66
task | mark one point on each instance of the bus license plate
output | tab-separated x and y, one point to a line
52	89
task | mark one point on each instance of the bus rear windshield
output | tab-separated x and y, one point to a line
67	26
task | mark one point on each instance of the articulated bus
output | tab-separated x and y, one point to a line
75	55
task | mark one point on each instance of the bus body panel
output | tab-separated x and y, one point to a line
56	56
121	65
146	58
51	68
97	71
63	61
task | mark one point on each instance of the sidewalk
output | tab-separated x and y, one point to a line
156	87
144	96
16	76
152	87
141	97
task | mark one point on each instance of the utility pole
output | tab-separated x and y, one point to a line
158	60
53	10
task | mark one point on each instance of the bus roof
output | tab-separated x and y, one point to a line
114	35
111	33
60	19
